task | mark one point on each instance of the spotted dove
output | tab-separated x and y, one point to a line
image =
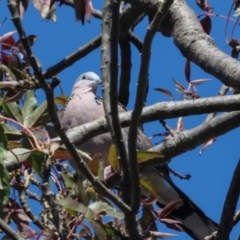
84	106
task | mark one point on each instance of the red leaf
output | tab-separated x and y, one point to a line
204	5
179	85
165	91
173	224
7	43
6	36
80	10
206	24
188	70
199	81
188	95
5	59
149	200
162	213
23	5
206	144
83	8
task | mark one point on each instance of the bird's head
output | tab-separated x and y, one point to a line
88	79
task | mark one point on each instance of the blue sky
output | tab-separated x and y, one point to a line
211	172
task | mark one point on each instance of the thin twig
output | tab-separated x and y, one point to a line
21	84
73	57
32	195
135	40
140	98
26	208
222	92
227	222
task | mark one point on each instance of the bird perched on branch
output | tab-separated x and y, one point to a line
84	106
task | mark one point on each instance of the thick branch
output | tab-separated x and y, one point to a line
200	48
165	110
9	231
195	44
151	113
190	139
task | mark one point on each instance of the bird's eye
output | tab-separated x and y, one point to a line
84	77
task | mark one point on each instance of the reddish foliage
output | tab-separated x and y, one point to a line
8	43
187	70
4	58
206	24
237	4
205	6
14	211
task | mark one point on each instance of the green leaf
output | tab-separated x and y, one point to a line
69	182
4	177
113	157
36	160
40	116
110	233
143	156
3	142
4	187
74	206
77	187
7	70
19	154
30	104
80	153
104	208
11	132
99	230
148	185
13	111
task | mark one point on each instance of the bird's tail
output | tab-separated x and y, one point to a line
194	222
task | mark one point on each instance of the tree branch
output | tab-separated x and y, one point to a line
72	58
200	48
110	100
139	102
82	167
229	208
166	110
9	231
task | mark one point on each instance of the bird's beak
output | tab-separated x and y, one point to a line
99	81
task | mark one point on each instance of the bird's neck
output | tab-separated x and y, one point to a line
83	88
